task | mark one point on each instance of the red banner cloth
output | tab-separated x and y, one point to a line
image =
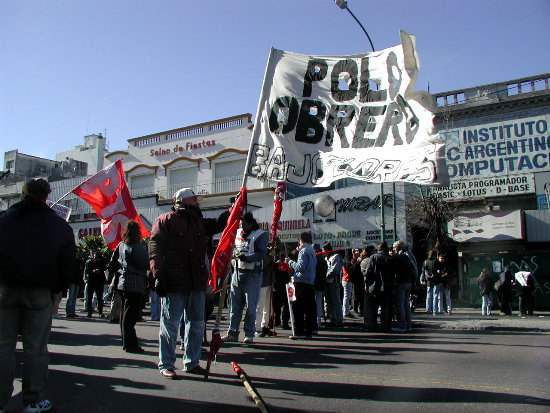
224	251
107	194
277	208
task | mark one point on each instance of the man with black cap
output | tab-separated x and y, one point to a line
37	252
249	253
179	263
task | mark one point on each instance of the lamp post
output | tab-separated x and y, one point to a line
343	4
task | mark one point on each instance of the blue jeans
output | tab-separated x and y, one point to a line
30	313
486	304
245	290
436	307
70	305
155	305
403	295
346	302
429	298
447	292
174	306
334	303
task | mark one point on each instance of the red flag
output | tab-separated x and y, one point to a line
108	195
222	256
277	208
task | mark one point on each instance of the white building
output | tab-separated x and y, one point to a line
208	157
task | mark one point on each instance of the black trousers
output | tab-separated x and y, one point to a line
281	312
98	290
372	303
359	299
526	301
131	311
505	299
305	318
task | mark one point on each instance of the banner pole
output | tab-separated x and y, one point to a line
382	216
394	207
258	114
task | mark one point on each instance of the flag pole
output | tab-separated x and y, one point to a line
63	197
76	186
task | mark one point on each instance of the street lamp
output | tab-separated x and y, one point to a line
343	4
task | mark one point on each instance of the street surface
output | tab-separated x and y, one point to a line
433	369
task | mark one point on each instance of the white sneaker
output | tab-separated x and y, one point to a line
248	340
41	406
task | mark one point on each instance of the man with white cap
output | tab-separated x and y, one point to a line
178	253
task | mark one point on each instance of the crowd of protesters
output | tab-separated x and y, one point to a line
301	290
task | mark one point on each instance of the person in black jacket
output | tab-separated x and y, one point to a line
379	284
94	277
37	252
133	262
178	261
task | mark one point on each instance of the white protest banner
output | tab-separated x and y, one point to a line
319	119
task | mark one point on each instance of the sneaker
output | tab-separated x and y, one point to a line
41	406
296	337
248	340
135	350
230	338
168	374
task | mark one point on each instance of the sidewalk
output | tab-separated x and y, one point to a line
470	319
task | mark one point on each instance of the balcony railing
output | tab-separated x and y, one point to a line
224	185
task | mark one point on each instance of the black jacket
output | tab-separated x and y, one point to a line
321	273
37	248
380	274
178	249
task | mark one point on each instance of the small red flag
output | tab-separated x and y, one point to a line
277	208
108	195
224	251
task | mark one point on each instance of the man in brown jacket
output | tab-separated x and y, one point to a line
179	263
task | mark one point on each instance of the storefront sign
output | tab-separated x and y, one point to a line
189	147
486	187
497	226
350	228
501	148
86	232
320	120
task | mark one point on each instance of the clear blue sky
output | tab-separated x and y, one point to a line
68	68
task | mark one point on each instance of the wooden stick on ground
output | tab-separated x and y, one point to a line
260	404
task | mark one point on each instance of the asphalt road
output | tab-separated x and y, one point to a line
429	370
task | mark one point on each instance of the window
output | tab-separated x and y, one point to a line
10	165
142	184
182	177
229	169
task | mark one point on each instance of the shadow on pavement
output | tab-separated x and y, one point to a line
347	391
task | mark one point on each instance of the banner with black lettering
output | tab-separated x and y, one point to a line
321	119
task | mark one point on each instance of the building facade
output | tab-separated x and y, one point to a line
497	140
